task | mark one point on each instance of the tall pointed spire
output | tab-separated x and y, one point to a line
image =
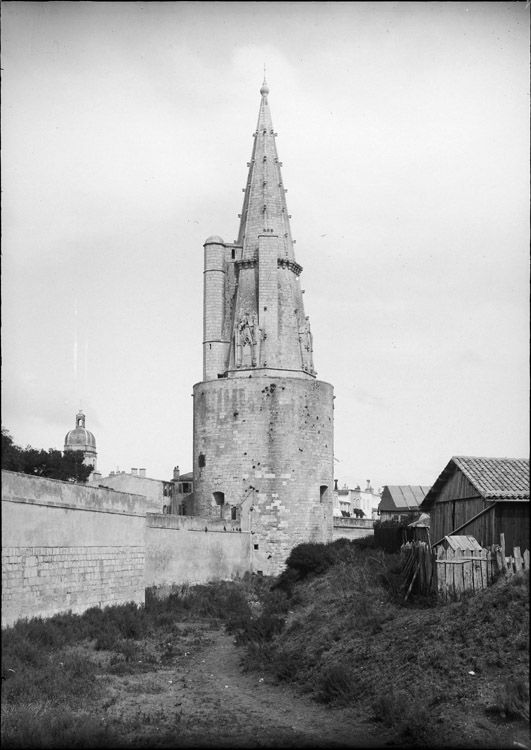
263	423
264	205
254	313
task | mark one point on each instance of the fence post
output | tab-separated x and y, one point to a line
517	559
429	568
503	560
441	573
499	561
422	572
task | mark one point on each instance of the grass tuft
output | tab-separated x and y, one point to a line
336	684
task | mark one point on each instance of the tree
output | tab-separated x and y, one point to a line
11	454
68	466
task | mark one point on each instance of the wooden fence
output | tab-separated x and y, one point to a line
462	570
391	538
449	573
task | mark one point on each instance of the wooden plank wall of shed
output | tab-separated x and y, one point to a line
457	486
446	515
512	519
482	527
452	514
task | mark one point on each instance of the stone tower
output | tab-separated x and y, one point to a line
263	423
81	439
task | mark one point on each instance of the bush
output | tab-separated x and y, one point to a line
69	681
260	629
404	712
286	581
221	600
286	666
310	558
335	684
33	726
512	701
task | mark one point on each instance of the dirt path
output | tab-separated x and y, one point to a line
206	701
260	713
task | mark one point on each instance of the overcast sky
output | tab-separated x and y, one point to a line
404	133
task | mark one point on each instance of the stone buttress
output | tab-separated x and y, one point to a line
263	423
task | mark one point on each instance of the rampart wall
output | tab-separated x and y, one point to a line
181	549
352	528
68	547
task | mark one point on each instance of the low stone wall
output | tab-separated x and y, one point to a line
352	528
184	549
68	547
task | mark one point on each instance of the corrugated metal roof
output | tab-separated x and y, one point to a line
500	479
403	496
463	542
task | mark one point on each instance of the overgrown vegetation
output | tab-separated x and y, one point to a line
351	639
53	464
52	669
331	624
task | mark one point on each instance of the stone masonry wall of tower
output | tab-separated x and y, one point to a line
263	423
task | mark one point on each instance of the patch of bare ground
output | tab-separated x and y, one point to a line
204	700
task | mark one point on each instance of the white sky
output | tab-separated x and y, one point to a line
404	133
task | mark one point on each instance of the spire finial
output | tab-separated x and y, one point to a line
265	89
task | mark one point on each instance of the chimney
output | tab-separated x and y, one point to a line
141	472
134	472
175	473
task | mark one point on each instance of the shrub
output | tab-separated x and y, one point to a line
286	581
404	712
286	665
512	700
335	684
310	558
221	600
67	679
258	656
34	726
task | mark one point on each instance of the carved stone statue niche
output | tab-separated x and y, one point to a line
306	343
247	338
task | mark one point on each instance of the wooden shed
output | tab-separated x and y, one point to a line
461	543
419	530
401	501
481	497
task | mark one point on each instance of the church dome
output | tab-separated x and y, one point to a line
80	438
